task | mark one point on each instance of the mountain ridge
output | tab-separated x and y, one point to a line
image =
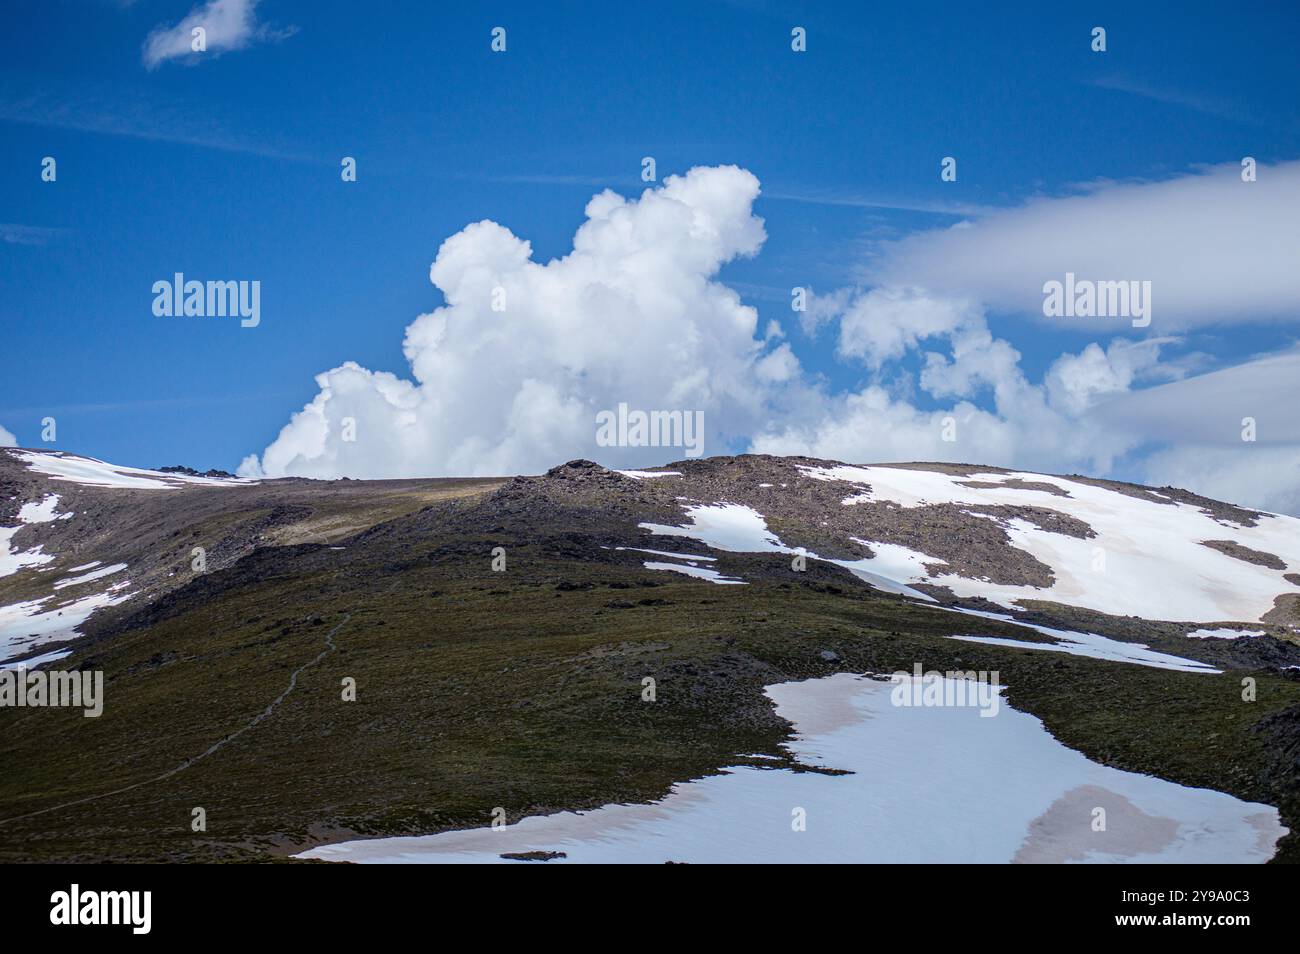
520	687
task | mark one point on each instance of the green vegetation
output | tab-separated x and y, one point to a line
520	689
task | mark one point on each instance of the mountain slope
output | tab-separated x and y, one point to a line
521	687
81	537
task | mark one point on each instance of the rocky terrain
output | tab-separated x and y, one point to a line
497	634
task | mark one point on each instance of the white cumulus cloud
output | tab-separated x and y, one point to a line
885	323
7	439
1077	382
1217	250
1034	426
509	375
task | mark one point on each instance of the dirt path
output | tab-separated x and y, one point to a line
215	747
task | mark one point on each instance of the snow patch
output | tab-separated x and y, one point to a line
667	553
1224	633
740	529
35	661
1153	564
86	578
26	625
11	560
42	511
98	473
703	572
1025	808
1091	645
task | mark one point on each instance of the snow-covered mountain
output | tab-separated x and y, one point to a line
79	535
505	629
61	596
1114	548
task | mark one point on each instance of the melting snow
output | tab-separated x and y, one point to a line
987	790
1154	565
1084	644
742	529
667	553
28	624
11	561
35	661
646	474
703	572
23	626
86	578
42	511
97	473
1224	633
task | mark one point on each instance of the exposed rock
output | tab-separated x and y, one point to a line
191	472
1246	554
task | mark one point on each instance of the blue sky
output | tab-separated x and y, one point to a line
228	167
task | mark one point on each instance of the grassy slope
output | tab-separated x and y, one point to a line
479	689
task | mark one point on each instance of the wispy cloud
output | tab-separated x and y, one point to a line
1183	235
1208	409
135	114
226	25
547	179
812	197
1209	105
109	407
861	201
14	233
